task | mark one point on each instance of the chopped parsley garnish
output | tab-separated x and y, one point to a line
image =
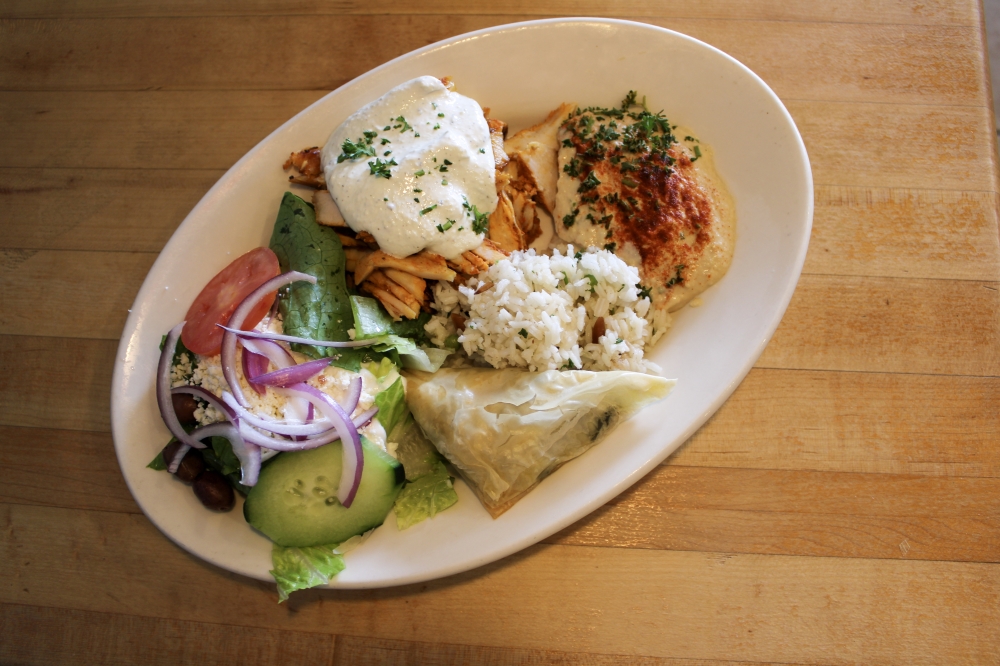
482	150
402	125
677	278
610	247
352	150
428	209
417	190
572	168
523	333
628	182
589	183
644	291
578	255
385	141
387	153
418	174
480	221
619	341
570	219
446	226
440	115
444	181
380	169
437	126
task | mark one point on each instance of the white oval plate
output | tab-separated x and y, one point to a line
520	72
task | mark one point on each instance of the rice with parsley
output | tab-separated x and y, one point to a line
539	312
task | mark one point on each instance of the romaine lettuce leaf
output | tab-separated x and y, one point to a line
371	320
425	497
302	568
391	405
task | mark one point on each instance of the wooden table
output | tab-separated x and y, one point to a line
842	507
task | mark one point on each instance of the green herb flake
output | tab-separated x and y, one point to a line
418	174
437	126
380	169
523	333
446	226
428	209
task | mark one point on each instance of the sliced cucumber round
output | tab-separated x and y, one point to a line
295	500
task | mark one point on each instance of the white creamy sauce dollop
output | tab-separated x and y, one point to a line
435	147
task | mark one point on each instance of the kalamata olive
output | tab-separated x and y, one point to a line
184	406
214	491
170	450
191	466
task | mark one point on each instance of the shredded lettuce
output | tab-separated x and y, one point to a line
302	568
425	497
391	405
429	489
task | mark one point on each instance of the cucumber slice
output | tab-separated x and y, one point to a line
295	500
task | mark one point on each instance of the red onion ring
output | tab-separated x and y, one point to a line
163	400
284	377
174	465
354	461
247	453
254	365
255	335
277	354
236	321
207	396
284	445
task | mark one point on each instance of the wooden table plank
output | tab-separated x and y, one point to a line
884	232
33	635
850	144
675	507
800	513
51	382
925	12
917	64
616	601
899	325
130	210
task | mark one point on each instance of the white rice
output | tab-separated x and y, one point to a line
540	313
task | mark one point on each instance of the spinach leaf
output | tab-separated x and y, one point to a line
321	311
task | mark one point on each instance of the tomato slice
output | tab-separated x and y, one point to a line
223	294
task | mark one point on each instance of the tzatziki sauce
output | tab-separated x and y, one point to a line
415	169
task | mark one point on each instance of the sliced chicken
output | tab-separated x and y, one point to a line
424	264
327	212
536	149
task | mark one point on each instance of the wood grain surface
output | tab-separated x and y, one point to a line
843	506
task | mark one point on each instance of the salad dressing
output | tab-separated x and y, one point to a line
415	169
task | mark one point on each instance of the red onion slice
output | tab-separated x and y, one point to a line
277	427
353	395
236	321
174	465
354	462
277	354
163	400
254	365
247	453
207	396
284	445
284	377
256	335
